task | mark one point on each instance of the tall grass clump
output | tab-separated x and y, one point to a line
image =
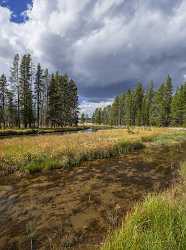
169	138
159	223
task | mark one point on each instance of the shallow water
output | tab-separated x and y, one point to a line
76	208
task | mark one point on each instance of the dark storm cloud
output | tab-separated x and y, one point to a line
98	93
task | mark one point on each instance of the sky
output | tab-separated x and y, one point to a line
17	7
105	45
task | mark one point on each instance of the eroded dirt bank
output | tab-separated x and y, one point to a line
75	209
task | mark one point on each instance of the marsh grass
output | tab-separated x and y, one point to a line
159	223
69	160
32	154
169	138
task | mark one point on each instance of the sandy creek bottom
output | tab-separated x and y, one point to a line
74	209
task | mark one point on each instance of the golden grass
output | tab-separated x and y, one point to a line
16	151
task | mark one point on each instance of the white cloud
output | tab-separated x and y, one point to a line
88	107
10	39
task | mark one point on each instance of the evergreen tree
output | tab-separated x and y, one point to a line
3	95
53	100
168	100
150	107
26	91
147	108
82	118
138	103
39	91
93	117
98	116
45	99
14	78
73	103
63	101
178	106
64	116
11	110
106	117
130	115
34	94
163	103
116	112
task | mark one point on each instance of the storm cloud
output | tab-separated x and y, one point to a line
106	46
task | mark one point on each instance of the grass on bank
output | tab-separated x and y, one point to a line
35	131
174	136
8	132
159	223
32	154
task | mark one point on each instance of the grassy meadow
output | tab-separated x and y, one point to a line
158	223
35	153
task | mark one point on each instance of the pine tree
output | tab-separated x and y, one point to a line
63	101
129	113
26	91
3	95
82	118
106	115
178	107
35	94
123	108
98	116
163	103
93	118
14	79
45	99
168	100
138	103
11	110
73	104
53	101
39	91
147	107
116	111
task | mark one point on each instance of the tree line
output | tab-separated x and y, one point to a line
150	107
32	97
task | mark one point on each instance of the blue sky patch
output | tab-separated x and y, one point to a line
17	7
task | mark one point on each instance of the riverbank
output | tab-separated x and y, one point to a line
6	133
158	223
33	154
39	131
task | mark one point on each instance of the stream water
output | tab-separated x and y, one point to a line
75	209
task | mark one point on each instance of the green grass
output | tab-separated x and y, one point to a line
169	138
38	165
69	161
159	223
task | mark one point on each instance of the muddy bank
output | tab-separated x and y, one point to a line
75	209
28	132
